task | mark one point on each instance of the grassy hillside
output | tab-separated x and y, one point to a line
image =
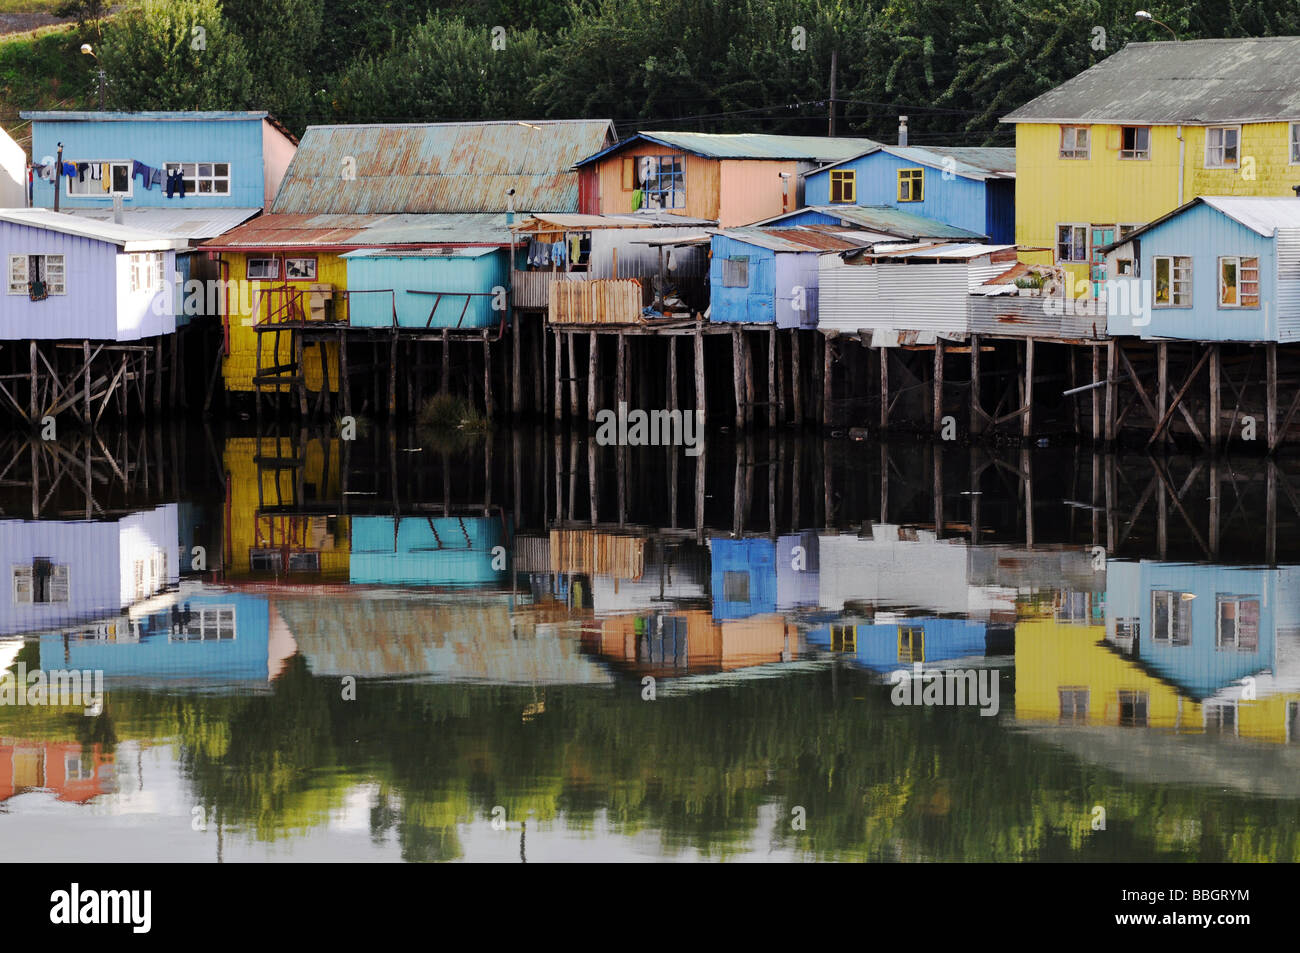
43	68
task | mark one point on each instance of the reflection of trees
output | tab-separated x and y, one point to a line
876	782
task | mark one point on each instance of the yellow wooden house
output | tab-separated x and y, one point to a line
1147	129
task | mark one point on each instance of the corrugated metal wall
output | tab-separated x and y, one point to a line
453	276
1287	244
893	297
753	304
87	311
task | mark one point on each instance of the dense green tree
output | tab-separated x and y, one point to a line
176	54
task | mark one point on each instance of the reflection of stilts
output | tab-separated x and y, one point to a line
85	474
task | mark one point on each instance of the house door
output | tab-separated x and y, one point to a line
1102	235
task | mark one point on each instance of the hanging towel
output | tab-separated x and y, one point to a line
156	178
575	247
96	171
557	252
637	197
107	175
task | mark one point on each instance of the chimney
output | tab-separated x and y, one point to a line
510	207
902	130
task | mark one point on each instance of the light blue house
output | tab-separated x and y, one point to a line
770	275
755	576
1200	627
452	287
435	551
899	643
71	278
970	188
226	159
1217	269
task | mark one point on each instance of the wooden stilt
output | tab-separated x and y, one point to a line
85	381
828	373
782	406
1216	403
1096	393
620	372
937	386
672	373
771	378
516	392
1112	372
1162	381
1270	358
558	405
884	389
737	377
444	380
1027	421
488	402
32	411
976	409
796	376
573	379
175	368
157	376
593	356
700	390
749	378
345	381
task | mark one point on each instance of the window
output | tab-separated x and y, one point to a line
1135	142
26	270
1293	722
1071	243
735	586
1133	709
207	624
1238	282
844	638
41	582
735	272
1173	282
147	271
1171	617
300	269
661	640
1074	703
1128	635
1124	267
90	181
304	562
1221	147
1074	142
203	178
77	769
1238	623
662	180
1220	718
263	268
1295	143
844	185
1127	228
911	643
911	185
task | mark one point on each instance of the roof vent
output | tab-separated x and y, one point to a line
902	130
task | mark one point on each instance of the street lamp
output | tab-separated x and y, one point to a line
1146	17
88	50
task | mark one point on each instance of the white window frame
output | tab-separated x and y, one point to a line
1212	714
1295	144
190	172
1222	148
148	271
1221	644
18	286
1086	247
737	265
1239	261
1074	150
99	192
25	595
1135	154
1170	635
1174	270
208	624
274	271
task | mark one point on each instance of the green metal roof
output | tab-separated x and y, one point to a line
748	145
886	219
971	162
439	167
1170	83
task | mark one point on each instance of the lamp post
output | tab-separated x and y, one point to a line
88	50
1148	18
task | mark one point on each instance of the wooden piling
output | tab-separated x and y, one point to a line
828	370
516	392
749	378
1270	359
1112	372
737	377
445	355
345	381
573	379
937	385
884	389
672	373
796	376
1027	421
593	356
976	423
558	406
700	390
771	378
487	373
1216	401
620	372
1162	383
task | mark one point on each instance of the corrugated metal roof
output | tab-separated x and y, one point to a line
954	250
653	219
174	115
1193	82
793	239
362	231
440	252
124	236
747	145
1260	213
887	220
190	223
439	167
971	162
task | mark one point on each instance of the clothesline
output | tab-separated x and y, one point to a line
173	182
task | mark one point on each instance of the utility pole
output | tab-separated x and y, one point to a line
58	176
830	106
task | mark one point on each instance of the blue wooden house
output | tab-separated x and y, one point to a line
1201	627
1220	268
70	278
755	576
971	188
437	551
769	275
886	646
225	159
443	287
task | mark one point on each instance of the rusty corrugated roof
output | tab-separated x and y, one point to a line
796	239
363	231
440	167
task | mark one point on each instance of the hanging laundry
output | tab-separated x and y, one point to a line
575	247
156	178
48	172
69	169
637	196
142	170
107	175
96	171
175	184
558	253
82	169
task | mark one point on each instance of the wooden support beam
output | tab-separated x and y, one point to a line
700	390
738	377
85	378
782	406
558	404
1270	364
1182	391
937	388
392	377
620	373
1162	381
828	378
976	410
488	403
796	376
1112	374
884	389
32	414
1027	421
1096	394
593	356
345	381
672	375
573	380
445	355
158	375
771	378
1216	403
749	379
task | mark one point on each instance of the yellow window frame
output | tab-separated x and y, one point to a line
911	185
844	186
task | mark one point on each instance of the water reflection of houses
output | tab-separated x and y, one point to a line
66	573
71	771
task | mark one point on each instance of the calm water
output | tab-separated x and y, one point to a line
531	648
